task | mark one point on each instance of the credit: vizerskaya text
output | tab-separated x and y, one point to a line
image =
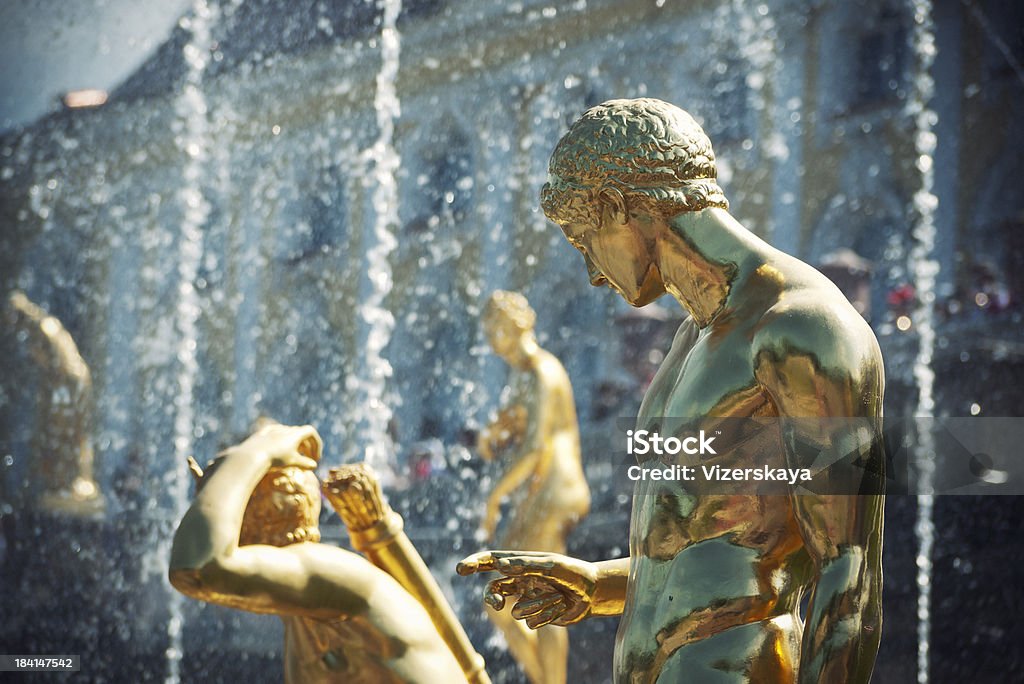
684	473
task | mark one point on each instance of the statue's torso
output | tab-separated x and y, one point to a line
546	392
715	580
353	651
556	494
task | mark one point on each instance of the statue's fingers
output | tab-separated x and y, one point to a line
495	601
484	561
527	608
272	428
544	566
530	589
495	597
304	463
572	614
507	586
299	445
546	616
525	563
307	441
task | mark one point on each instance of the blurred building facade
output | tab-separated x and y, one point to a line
806	102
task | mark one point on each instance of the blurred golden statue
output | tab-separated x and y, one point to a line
250	541
62	448
377	532
536	431
713	585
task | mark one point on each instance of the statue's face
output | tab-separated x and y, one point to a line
616	256
285	500
503	334
295	492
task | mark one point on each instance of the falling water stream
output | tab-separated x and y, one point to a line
223	239
924	268
373	413
191	108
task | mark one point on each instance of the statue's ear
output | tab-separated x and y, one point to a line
613	205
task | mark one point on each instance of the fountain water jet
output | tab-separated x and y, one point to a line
372	411
924	268
191	108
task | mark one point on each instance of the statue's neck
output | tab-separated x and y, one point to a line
526	351
705	256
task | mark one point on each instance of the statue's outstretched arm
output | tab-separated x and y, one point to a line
532	450
827	386
506	429
550	588
210	529
517	473
527	459
307	579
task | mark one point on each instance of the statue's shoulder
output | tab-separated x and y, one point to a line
818	322
548	364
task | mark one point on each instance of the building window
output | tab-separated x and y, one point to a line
728	115
730	104
323	225
446	184
881	59
417	9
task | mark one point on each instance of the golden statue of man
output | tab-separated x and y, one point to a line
250	541
713	586
537	433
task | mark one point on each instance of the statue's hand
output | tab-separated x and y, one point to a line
18	305
549	588
506	430
286	445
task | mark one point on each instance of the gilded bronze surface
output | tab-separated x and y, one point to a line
377	531
62	439
250	541
536	433
712	589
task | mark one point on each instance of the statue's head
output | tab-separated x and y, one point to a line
507	318
647	150
617	177
283	509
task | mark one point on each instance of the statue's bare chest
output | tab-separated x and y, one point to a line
703	375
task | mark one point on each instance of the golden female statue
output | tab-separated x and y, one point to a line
250	541
713	586
537	433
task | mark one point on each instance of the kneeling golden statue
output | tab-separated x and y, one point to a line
250	540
